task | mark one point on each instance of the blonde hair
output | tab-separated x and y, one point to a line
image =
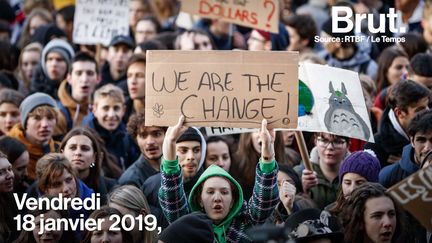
109	91
132	198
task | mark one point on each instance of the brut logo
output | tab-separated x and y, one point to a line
391	16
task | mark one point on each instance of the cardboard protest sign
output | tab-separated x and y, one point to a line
338	102
222	88
98	21
59	4
262	14
415	195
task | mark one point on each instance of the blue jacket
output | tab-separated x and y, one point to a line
118	142
396	172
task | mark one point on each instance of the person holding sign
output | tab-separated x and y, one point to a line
322	183
217	193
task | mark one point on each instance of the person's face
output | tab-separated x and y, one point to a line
202	42
79	151
29	62
218	154
52	236
64	184
405	116
35	23
20	166
6	176
9	116
296	43
422	143
350	182
379	219
105	234
109	113
136	80
56	66
331	149
83	80
40	129
189	156
288	137
118	57
256	42
216	198
145	30
397	70
150	140
137	10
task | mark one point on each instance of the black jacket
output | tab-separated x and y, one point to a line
137	173
387	141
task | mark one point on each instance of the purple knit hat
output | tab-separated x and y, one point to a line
363	163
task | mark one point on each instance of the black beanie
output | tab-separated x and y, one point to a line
193	227
191	134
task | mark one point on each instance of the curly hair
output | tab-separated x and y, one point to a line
352	215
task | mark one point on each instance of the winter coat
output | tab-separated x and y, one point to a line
137	173
242	215
73	112
394	173
35	152
387	141
118	142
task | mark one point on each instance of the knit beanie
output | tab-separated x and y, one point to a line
33	101
328	28
191	134
193	227
58	46
363	163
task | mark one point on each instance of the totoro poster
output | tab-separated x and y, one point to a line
338	104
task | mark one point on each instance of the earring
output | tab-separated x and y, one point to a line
92	165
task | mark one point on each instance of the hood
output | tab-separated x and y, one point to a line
211	171
203	148
61	47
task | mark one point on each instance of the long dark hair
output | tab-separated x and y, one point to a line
384	62
93	179
352	215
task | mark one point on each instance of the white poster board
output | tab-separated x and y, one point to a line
98	21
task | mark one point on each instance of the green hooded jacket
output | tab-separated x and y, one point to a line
212	171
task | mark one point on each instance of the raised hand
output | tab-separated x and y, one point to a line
309	180
267	138
287	194
171	136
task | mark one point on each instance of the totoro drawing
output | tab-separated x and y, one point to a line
341	116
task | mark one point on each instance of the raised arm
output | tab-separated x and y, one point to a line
172	197
265	193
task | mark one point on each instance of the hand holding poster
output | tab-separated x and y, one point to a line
257	14
415	195
222	88
98	21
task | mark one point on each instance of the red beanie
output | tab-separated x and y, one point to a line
264	34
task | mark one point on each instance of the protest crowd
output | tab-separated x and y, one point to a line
72	126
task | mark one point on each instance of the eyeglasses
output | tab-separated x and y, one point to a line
324	142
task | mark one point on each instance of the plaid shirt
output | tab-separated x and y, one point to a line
265	197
